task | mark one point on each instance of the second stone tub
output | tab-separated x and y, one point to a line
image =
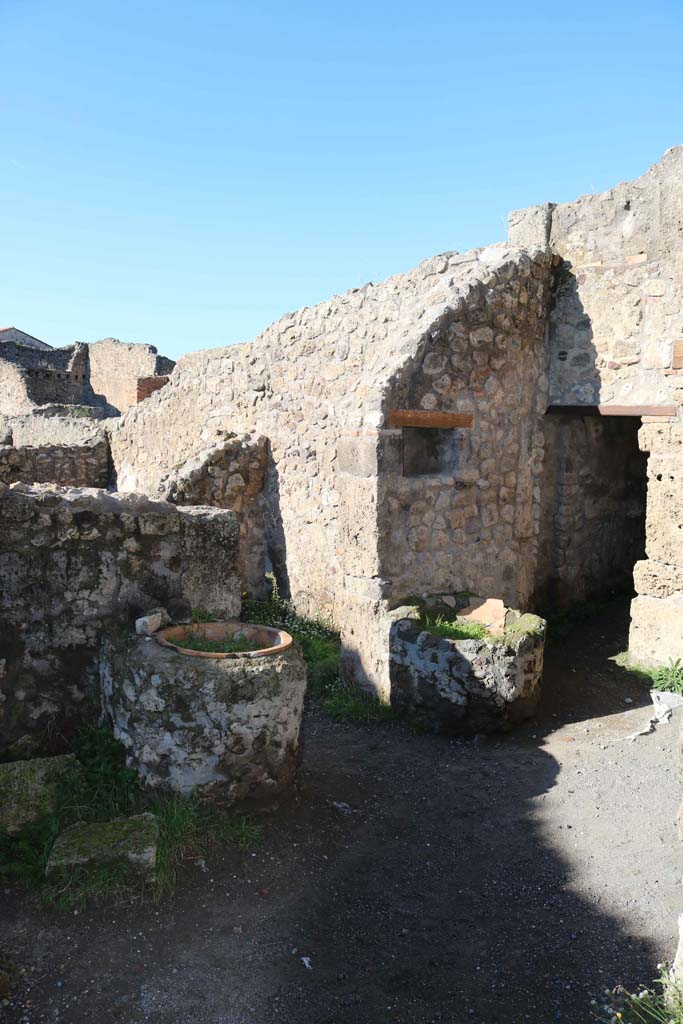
225	725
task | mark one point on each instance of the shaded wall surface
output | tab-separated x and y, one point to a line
75	564
593	508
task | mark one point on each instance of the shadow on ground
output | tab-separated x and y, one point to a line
416	879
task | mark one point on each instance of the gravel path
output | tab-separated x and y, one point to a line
415	879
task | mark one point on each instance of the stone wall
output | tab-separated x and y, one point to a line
230	474
618	309
14	397
593	508
657	612
42	376
320	384
76	564
52	426
116	367
70	465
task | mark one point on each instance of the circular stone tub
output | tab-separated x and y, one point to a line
225	724
272	641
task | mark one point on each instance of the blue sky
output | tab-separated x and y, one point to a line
185	173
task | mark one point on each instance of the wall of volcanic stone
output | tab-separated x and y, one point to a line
323	378
76	564
70	465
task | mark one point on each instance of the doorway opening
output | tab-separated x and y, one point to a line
593	507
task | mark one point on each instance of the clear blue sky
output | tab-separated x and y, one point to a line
183	173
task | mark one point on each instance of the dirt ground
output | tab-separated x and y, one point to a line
415	879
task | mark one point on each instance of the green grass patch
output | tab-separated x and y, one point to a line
320	646
663	677
453	630
104	789
227	646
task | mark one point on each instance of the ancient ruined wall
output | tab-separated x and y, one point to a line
593	508
618	310
230	474
116	367
69	465
14	398
76	564
467	517
146	387
46	376
322	376
657	612
48	426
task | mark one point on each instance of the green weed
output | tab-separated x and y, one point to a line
664	677
660	1005
104	789
320	646
440	626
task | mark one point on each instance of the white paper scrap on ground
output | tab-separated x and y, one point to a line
665	703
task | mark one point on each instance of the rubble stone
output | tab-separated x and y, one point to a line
124	843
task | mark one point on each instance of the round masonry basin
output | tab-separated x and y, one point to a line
266	640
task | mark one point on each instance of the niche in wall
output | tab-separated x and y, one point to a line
431	451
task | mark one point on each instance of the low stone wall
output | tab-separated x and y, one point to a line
75	564
54	425
70	465
467	686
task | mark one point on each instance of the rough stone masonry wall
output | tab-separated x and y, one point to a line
322	375
593	508
69	465
230	474
14	396
657	612
618	310
616	330
116	367
52	426
75	564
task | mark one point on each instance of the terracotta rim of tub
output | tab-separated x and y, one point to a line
275	641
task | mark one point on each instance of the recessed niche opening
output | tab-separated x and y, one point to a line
431	451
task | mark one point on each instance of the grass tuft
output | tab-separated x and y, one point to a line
189	828
320	646
662	1004
453	630
668	678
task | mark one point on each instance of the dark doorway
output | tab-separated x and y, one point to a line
593	507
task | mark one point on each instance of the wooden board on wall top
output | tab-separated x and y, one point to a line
613	410
422	418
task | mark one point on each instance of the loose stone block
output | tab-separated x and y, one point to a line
28	789
153	621
128	843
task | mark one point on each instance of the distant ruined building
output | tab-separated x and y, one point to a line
105	377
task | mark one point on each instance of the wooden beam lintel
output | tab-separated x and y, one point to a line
423	418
